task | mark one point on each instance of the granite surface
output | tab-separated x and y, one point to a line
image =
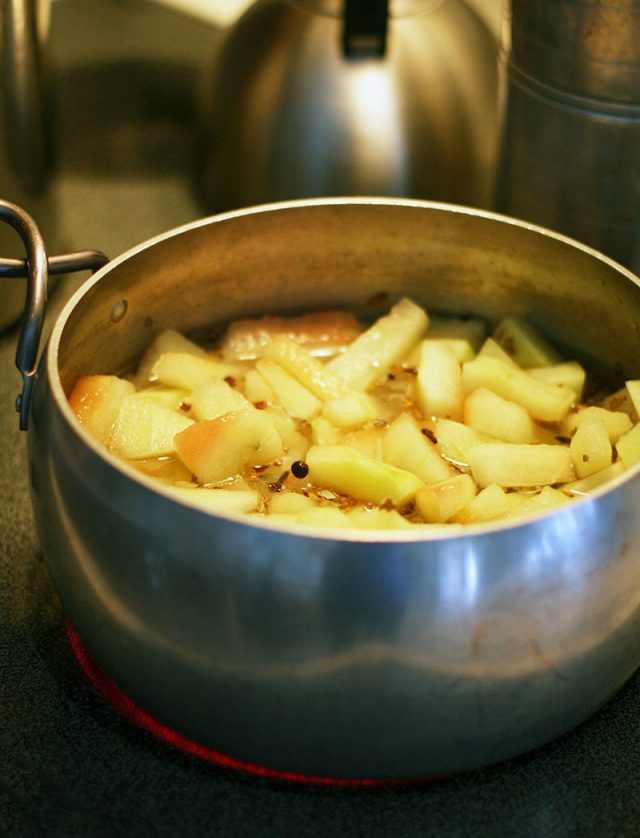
69	764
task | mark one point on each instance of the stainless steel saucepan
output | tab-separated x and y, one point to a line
346	655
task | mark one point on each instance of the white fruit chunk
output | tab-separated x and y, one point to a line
323	333
168	340
324	516
616	422
368	441
219	500
302	365
525	344
215	398
455	440
384	343
621	401
145	429
633	389
344	470
295	444
489	504
463	336
439	384
590	448
350	409
405	446
568	374
439	502
287	391
492	349
628	447
589	484
365	518
489	413
216	449
545	401
323	432
256	388
512	465
290	503
171	397
96	400
547	498
180	369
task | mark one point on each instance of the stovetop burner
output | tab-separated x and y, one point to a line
112	693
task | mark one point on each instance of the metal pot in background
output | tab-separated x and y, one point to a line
570	148
331	97
25	148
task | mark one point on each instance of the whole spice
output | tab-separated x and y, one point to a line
299	469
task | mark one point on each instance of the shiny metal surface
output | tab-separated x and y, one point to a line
570	119
25	146
585	47
283	114
357	656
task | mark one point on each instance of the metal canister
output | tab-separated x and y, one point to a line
25	143
570	141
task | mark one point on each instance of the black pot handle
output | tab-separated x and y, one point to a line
364	33
36	267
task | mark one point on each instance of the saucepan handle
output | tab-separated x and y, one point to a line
36	267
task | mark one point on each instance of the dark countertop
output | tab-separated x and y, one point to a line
69	764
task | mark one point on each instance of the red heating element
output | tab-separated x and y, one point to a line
127	708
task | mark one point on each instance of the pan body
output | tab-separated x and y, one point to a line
370	655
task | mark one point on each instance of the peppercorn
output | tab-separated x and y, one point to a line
299	469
